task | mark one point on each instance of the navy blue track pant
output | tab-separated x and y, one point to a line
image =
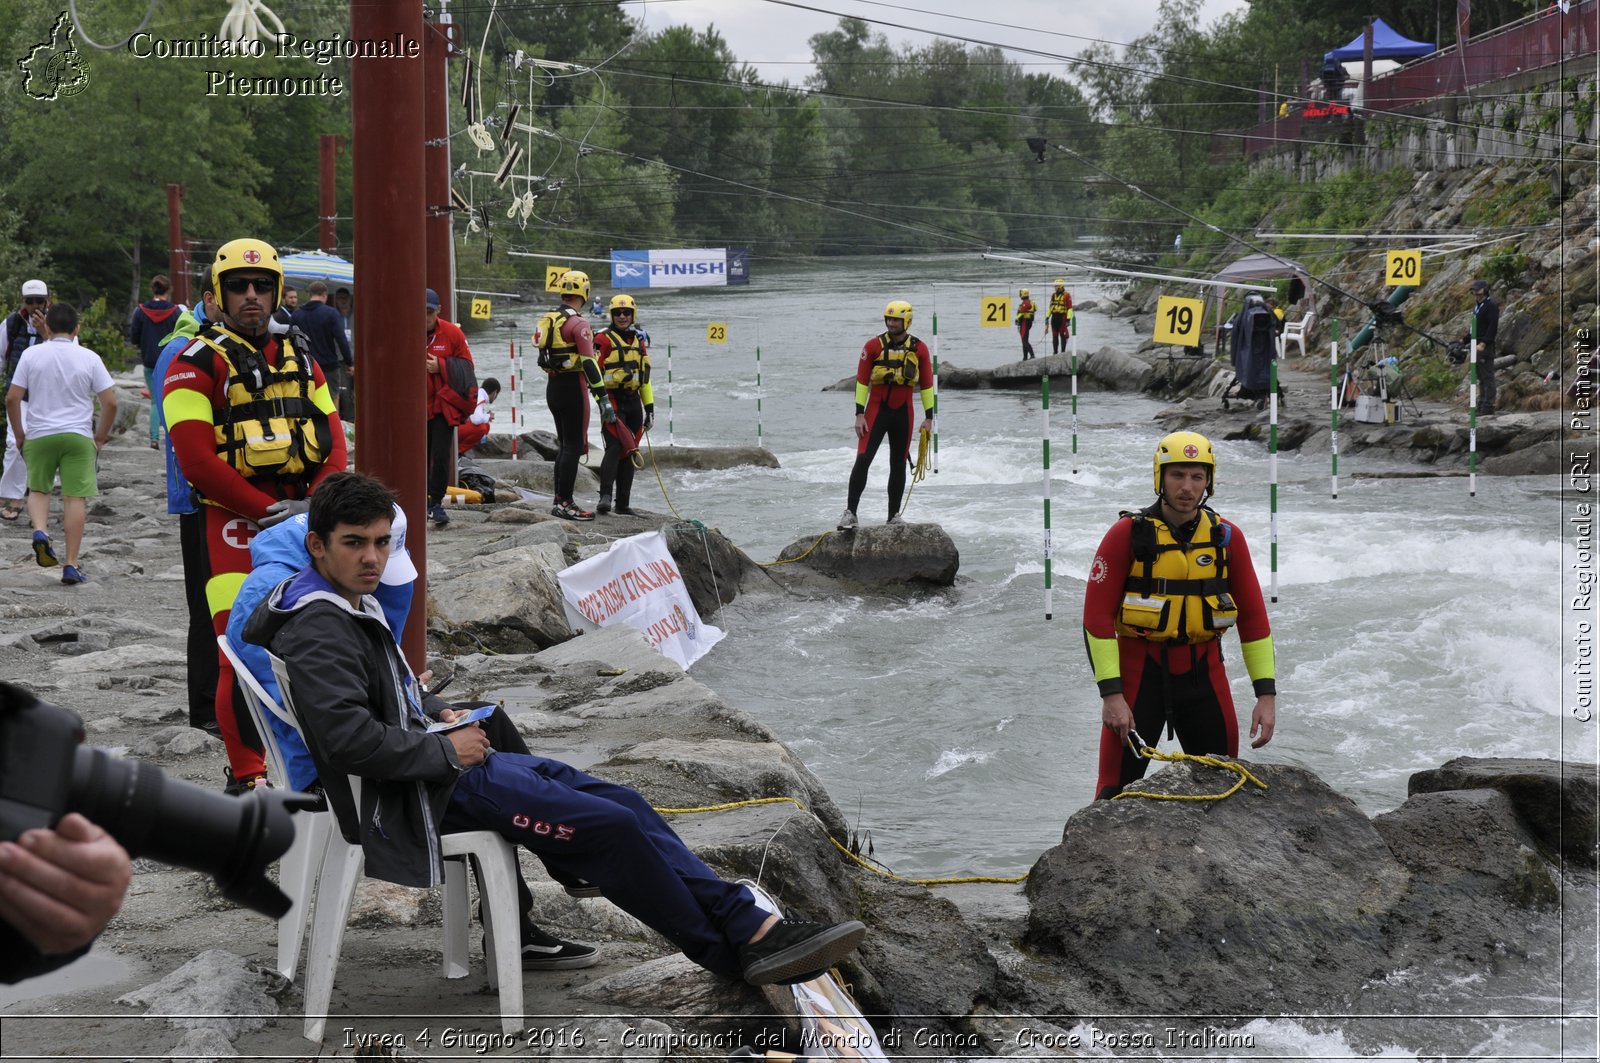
608	835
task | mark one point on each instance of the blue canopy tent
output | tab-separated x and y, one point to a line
1386	44
318	266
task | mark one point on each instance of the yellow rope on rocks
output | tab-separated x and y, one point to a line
1151	753
802	557
836	844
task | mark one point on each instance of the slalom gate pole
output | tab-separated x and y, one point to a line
669	395
1044	386
1333	407
758	395
1472	415
515	429
936	383
1074	394
1272	463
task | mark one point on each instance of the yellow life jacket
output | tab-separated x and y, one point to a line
896	363
270	426
1059	303
624	366
557	354
1177	592
1025	310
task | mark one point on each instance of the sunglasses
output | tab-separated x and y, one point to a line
33	300
240	285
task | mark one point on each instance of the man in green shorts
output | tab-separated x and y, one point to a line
61	381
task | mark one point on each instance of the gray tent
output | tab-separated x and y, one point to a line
1262	267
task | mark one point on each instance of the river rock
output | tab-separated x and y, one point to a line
215	990
1262	902
875	556
713	569
1117	371
1466	845
510	604
679	457
1557	801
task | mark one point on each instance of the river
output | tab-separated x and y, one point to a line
1414	623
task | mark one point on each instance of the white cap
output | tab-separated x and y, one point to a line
35	288
399	571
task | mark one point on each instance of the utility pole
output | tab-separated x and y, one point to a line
327	202
390	210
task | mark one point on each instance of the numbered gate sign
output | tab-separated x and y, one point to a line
1403	267
552	274
996	311
480	309
1178	321
717	332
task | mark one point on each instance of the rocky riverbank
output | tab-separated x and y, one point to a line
1276	900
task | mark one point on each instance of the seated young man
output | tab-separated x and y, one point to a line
364	714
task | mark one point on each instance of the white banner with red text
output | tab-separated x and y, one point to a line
637	583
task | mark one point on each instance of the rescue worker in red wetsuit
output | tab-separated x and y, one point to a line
1025	313
566	353
1166	584
893	366
624	356
1060	317
254	429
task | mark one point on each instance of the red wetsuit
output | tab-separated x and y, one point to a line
888	410
1183	683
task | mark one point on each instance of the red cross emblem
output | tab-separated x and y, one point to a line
238	532
1191	451
252	256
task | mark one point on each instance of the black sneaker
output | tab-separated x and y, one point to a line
439	517
545	952
795	950
604	505
624	510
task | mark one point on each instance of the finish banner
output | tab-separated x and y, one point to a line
636	582
703	267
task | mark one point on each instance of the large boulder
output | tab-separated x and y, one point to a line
713	568
1468	845
1555	800
678	457
511	604
1117	371
1266	901
875	556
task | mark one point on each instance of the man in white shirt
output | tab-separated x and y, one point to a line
62	381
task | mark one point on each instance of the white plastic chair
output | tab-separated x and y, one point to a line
1296	331
342	867
297	871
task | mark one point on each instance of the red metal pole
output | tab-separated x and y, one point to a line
387	102
436	167
177	259
328	201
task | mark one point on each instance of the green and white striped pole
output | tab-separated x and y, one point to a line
1044	384
1272	463
1074	394
1472	415
669	396
936	385
1333	407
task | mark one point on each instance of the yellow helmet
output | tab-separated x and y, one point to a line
246	253
1022	292
623	302
901	309
1060	283
1186	448
573	282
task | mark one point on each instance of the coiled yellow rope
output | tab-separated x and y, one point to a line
1151	753
836	844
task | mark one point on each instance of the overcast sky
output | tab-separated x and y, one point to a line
773	37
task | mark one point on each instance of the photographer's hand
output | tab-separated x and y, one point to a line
59	888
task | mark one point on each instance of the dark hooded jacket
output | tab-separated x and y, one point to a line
362	714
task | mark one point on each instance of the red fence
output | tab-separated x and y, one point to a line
1530	43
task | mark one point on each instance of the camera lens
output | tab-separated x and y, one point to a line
233	839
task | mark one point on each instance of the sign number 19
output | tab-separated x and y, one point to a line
1178	320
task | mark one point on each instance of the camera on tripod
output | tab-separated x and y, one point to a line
1456	352
46	772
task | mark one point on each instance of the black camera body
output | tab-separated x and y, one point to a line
1456	352
46	772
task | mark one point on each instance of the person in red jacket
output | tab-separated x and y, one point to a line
452	396
254	431
892	366
1165	585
